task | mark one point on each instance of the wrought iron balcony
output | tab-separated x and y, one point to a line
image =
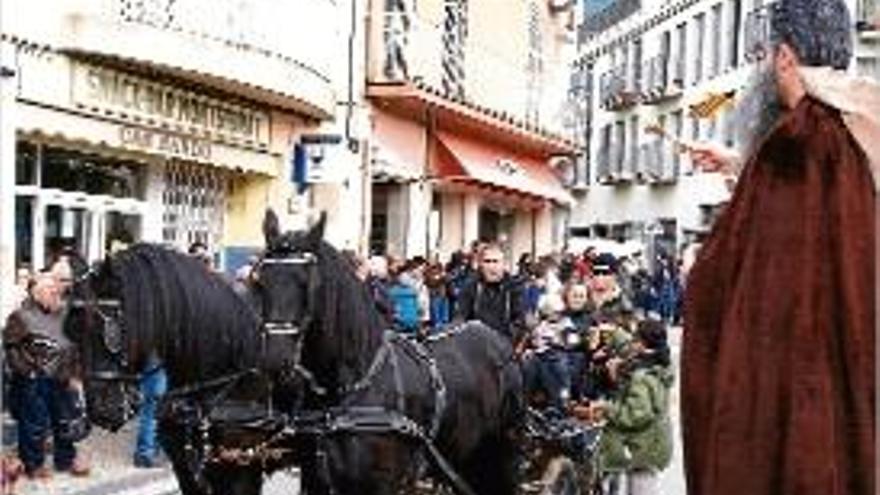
603	166
868	17
407	47
658	85
615	92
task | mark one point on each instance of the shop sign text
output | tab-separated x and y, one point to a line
165	143
130	96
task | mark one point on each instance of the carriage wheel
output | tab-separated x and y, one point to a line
561	478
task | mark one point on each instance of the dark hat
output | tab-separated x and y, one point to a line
820	31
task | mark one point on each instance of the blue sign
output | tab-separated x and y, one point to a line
300	169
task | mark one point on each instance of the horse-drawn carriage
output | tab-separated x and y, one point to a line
306	375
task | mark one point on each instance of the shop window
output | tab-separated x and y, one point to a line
24	231
26	160
379	220
74	171
66	227
194	205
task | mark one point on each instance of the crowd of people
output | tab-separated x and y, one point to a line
589	330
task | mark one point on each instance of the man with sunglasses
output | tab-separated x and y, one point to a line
493	296
778	381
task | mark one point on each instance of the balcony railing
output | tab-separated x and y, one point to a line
658	86
868	16
615	92
661	163
407	47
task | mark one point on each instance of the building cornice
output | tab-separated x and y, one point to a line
594	50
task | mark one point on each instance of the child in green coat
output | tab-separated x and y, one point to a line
637	437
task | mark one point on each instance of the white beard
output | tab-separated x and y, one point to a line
758	110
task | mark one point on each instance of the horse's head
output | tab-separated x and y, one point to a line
95	322
308	290
287	277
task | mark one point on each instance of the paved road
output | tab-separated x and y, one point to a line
672	480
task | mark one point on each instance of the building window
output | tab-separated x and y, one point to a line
717	34
74	171
534	64
681	58
620	147
700	26
868	13
66	197
634	166
729	129
26	164
868	67
603	168
580	99
659	159
678	129
194	205
735	29
398	24
665	49
454	35
637	65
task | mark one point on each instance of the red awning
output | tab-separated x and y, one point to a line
463	160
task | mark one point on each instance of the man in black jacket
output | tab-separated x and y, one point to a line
493	297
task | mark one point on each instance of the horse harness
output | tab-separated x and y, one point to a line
196	404
348	417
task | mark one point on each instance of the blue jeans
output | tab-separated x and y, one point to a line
41	404
153	385
439	312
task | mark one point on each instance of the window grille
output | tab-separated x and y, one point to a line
454	35
194	202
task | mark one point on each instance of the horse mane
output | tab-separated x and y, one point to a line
349	328
191	318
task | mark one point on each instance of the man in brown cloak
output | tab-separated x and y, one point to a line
778	356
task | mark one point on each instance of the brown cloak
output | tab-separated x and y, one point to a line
778	356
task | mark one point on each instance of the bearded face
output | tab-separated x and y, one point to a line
760	107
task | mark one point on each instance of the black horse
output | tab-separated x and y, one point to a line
387	409
151	300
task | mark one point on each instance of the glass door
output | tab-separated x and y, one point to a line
94	226
67	225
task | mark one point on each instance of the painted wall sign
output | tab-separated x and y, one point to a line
159	105
165	143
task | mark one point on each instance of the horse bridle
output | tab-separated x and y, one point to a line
112	337
296	329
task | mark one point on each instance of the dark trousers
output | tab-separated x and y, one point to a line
42	405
